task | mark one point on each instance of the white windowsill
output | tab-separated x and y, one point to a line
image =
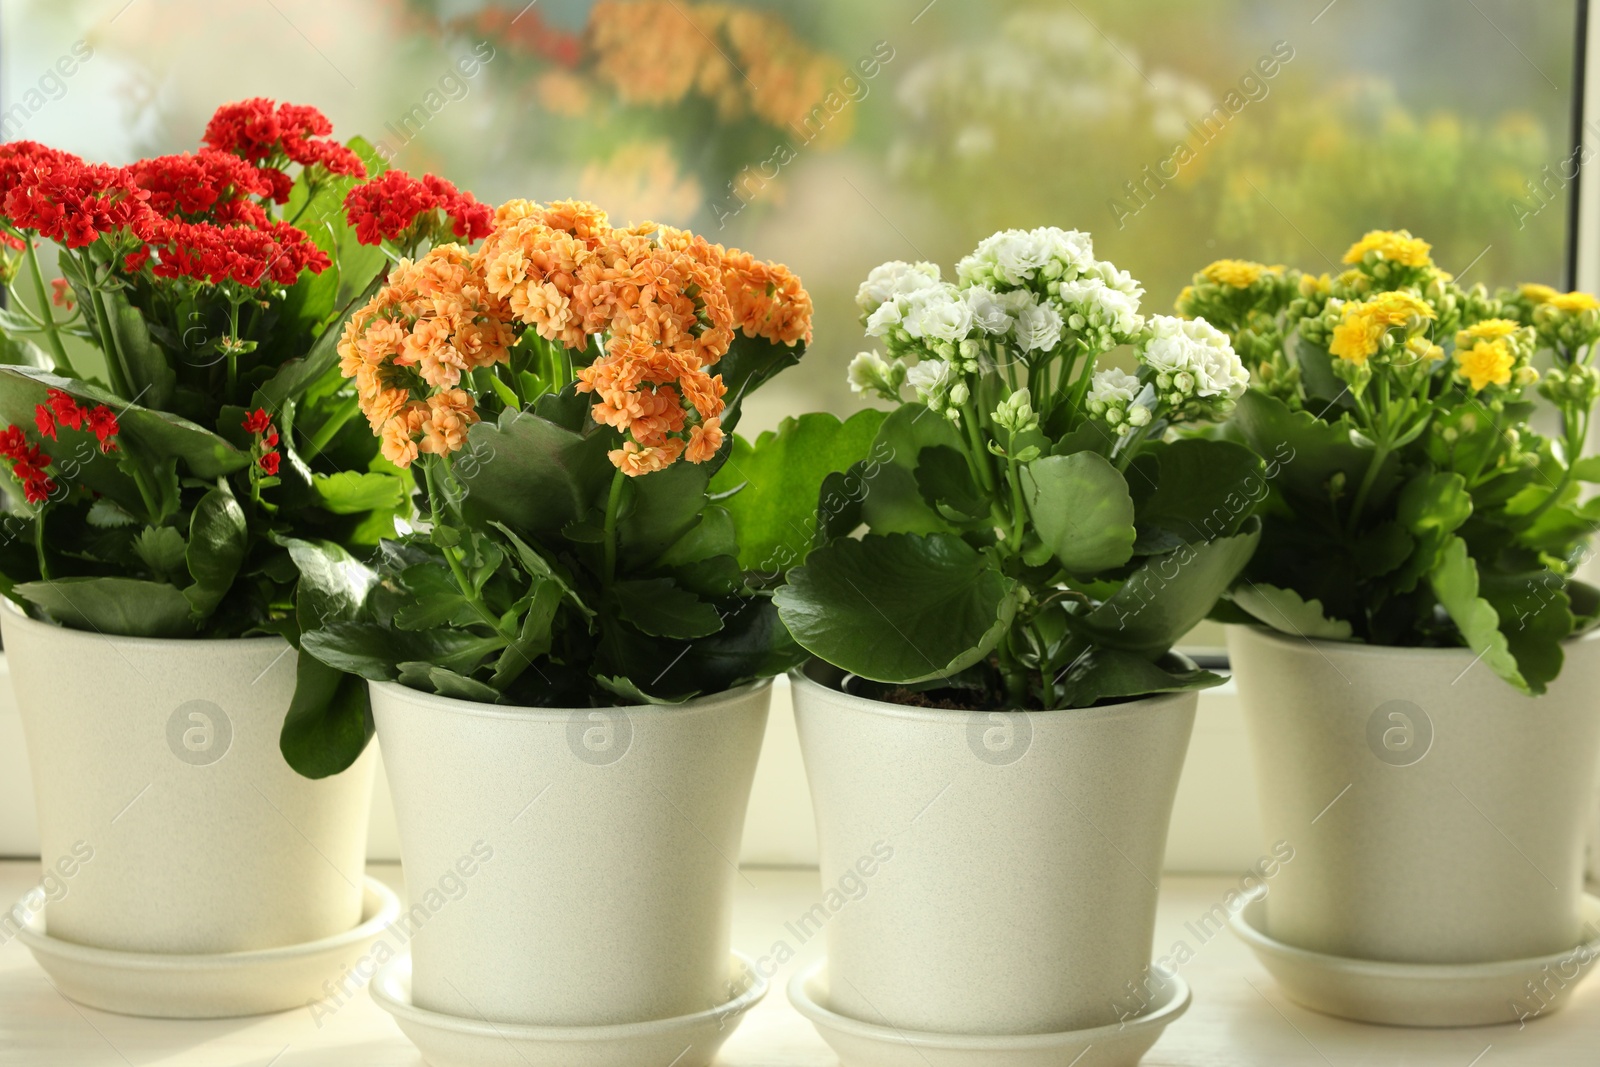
1238	1018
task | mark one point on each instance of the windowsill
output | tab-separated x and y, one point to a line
1238	1017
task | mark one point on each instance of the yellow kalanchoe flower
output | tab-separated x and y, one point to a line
1239	273
1536	293
1488	362
1573	301
1393	246
1359	333
1487	330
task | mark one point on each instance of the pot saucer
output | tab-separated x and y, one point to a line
861	1044
211	985
457	1041
1422	994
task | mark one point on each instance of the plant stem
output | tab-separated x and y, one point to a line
51	330
1019	513
1380	454
38	544
613	505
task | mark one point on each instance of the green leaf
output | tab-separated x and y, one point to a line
150	375
658	510
946	481
534	637
218	541
1203	488
748	363
1103	674
1169	595
375	651
1454	580
127	607
448	683
624	688
1309	452
23	352
1081	510
778	479
297	375
538	567
329	721
535	476
163	550
657	606
333	584
898	607
1536	616
354	492
150	432
108	514
1284	610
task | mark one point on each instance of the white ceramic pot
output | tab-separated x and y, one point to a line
168	819
572	867
995	874
1437	815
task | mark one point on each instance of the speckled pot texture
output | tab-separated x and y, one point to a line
569	867
992	874
1437	815
168	819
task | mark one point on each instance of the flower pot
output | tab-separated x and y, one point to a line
569	868
996	874
168	820
1437	815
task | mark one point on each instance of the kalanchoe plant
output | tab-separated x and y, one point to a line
1414	504
564	395
1037	533
187	462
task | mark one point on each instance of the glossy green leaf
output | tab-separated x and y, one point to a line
900	607
1286	611
660	608
1081	510
218	541
329	721
1104	674
778	478
127	607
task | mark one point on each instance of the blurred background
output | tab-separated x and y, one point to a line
835	134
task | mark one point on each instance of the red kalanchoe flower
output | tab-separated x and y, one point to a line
390	204
67	200
269	462
258	421
250	257
28	463
209	185
270	135
45	420
61	294
65	408
103	421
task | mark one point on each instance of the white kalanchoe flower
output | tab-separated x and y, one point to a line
1191	358
1119	398
937	313
1103	315
931	379
989	309
1016	257
871	374
1038	328
894	279
885	318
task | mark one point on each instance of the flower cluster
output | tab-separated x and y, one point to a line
30	463
265	447
395	205
68	200
1368	328
408	348
660	52
651	394
272	135
1027	297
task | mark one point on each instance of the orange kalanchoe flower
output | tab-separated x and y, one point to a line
667	302
662	399
408	348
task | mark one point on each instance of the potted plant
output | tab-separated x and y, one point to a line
568	661
188	491
995	700
1415	661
